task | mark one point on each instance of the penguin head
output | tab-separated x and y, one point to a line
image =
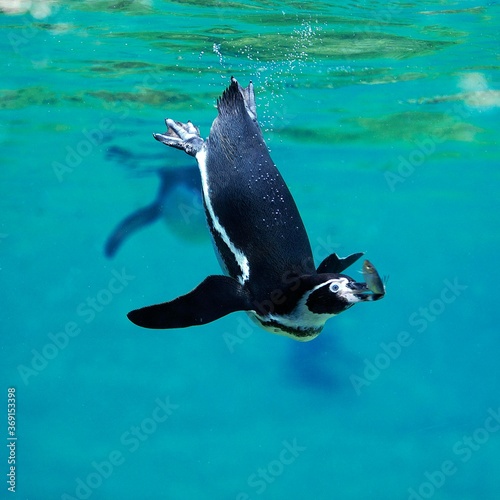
316	299
335	294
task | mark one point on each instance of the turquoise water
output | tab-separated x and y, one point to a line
383	118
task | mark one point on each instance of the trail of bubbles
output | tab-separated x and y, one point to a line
284	71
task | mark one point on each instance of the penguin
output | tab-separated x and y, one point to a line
258	235
176	201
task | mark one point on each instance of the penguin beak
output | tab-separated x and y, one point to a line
359	289
363	293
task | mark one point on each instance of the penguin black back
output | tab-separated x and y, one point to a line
251	200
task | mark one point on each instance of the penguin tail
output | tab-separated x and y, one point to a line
235	97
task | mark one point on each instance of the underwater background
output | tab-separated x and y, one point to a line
383	119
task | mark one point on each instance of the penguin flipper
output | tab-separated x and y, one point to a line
185	136
129	225
213	298
335	264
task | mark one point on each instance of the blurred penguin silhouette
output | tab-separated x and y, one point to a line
177	202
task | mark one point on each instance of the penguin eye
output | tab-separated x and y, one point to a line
334	288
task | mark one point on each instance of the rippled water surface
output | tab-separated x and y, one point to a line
383	119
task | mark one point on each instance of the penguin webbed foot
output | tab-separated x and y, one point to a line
185	136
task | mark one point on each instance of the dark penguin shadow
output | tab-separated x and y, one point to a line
177	202
322	364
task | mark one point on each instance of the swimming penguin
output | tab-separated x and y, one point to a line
177	202
257	232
